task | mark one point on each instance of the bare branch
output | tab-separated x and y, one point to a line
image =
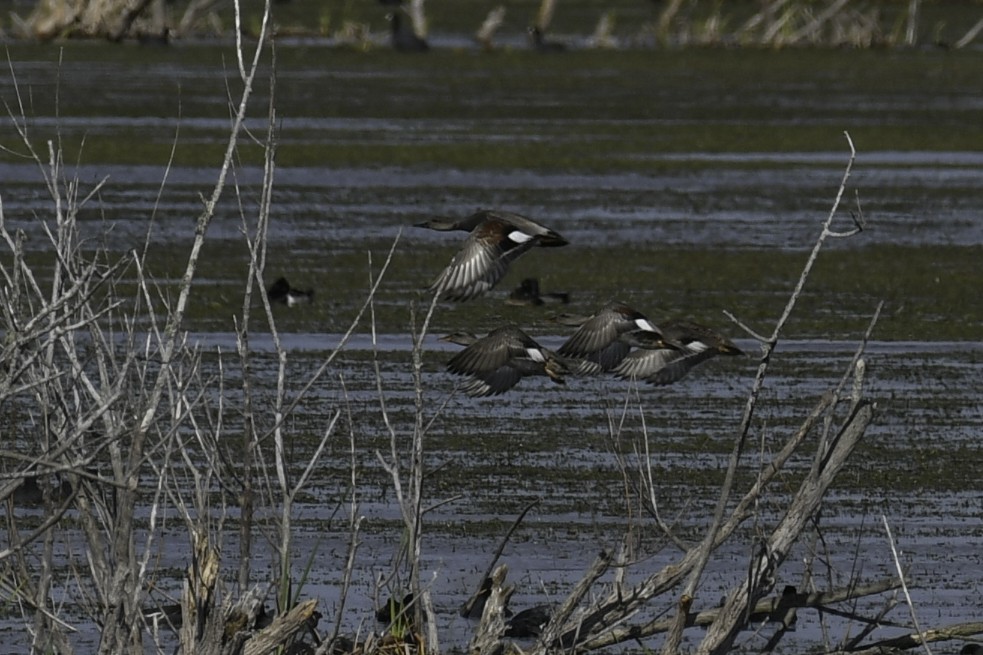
904	586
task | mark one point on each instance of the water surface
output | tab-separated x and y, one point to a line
687	183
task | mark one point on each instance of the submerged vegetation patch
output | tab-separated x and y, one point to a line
923	288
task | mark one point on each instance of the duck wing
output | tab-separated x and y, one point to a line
600	340
593	335
694	336
662	366
492	384
482	262
546	237
602	360
498	348
498	361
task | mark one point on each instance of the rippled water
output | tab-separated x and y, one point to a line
918	465
737	203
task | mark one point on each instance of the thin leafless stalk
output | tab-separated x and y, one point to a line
810	29
904	585
970	35
82	384
354	526
256	241
648	480
468	606
666	18
768	347
911	22
486	31
545	14
760	18
606	621
418	18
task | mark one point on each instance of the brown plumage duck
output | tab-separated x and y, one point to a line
683	346
603	340
498	361
497	239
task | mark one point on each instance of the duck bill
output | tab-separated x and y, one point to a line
551	240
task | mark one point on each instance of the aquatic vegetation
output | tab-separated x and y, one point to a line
308	443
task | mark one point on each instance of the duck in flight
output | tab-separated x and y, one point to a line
684	345
623	341
496	239
604	339
498	361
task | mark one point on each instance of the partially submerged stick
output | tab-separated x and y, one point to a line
468	607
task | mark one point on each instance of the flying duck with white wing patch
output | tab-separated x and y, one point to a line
497	239
683	346
498	361
606	338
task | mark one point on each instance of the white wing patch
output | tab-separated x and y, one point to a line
519	236
535	354
645	325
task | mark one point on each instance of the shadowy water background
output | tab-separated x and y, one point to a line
688	182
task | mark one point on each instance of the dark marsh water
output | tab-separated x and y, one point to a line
688	182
